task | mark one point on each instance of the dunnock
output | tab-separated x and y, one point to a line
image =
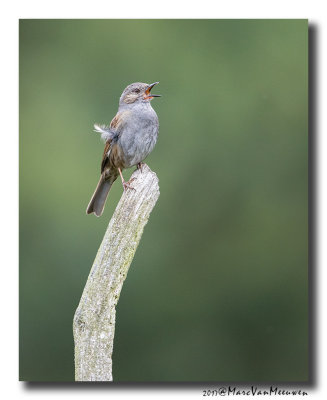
130	138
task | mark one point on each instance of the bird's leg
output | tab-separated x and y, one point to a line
126	185
140	166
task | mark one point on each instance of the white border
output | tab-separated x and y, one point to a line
10	13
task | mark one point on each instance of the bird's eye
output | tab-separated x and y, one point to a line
137	90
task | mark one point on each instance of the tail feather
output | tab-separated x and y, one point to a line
98	200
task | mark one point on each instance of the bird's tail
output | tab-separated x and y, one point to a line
98	200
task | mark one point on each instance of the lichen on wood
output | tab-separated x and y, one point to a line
94	320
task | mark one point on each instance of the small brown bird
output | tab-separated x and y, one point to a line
130	138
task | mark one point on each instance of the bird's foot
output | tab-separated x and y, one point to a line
127	185
140	166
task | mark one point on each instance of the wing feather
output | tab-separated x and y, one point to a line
110	135
105	157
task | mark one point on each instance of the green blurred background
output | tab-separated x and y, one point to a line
218	289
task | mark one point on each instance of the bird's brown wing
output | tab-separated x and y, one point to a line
105	158
116	126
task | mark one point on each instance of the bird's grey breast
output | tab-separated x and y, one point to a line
139	135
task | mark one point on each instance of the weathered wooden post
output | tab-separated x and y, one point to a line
94	320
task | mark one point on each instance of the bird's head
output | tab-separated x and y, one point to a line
138	92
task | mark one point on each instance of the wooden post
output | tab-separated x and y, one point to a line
94	320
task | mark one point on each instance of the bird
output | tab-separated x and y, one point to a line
129	139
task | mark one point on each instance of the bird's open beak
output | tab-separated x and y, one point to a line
149	95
